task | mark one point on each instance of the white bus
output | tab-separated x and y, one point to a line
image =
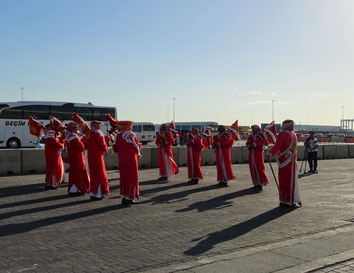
14	131
145	131
185	127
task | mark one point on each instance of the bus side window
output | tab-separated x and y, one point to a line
12	113
36	111
62	112
84	112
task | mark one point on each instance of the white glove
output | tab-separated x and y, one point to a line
264	148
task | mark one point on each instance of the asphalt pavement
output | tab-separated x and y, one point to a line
177	227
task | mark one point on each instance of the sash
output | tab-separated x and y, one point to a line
285	157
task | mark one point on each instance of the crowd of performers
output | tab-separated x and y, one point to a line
77	138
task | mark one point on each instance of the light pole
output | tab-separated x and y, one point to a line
272	110
168	113
174	108
342	112
22	88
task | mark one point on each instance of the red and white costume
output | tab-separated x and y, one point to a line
96	147
286	149
207	139
54	162
164	142
79	181
255	143
195	146
222	145
128	149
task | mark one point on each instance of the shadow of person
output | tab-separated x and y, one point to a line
18	228
230	233
218	202
168	198
22	189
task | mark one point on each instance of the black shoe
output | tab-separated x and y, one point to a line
284	205
52	188
222	184
254	188
190	181
162	178
315	171
46	187
195	181
310	171
259	187
93	198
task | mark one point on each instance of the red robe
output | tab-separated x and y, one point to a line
256	160
285	147
78	175
54	163
96	146
194	162
223	144
128	149
167	165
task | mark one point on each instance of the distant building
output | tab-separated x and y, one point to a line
317	128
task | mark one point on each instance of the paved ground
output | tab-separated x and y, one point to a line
180	227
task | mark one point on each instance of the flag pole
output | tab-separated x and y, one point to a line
271	167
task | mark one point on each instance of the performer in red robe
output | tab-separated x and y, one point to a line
54	162
128	149
96	147
222	144
79	182
256	143
164	141
195	146
286	149
207	139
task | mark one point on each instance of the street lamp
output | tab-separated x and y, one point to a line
174	108
168	113
22	88
272	110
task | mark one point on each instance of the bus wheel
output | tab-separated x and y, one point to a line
13	143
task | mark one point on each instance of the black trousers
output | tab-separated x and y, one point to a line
312	160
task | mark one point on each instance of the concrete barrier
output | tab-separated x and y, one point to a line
182	156
26	161
154	158
329	151
342	151
351	151
145	160
33	161
111	160
208	157
10	161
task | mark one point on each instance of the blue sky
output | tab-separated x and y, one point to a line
222	60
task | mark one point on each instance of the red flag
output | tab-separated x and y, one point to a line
234	128
83	126
270	132
35	127
173	129
56	125
120	125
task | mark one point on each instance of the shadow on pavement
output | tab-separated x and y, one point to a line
12	229
167	198
212	239
218	202
20	190
41	209
33	201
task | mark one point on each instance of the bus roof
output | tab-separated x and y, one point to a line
194	123
56	103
